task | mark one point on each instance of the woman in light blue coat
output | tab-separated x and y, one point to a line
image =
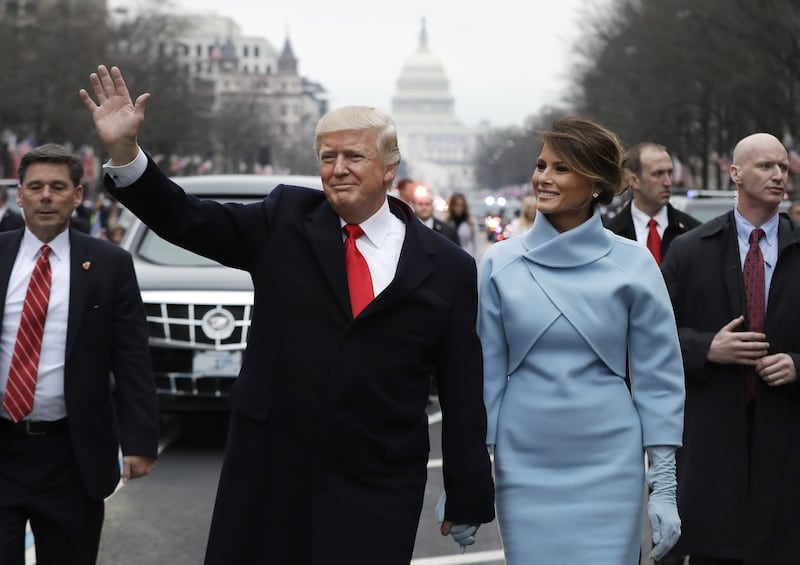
566	311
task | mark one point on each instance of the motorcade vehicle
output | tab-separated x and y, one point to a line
708	204
198	311
11	186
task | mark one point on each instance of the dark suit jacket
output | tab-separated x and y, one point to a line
677	223
328	445
447	230
736	503
106	333
11	221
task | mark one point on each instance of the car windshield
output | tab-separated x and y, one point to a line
154	249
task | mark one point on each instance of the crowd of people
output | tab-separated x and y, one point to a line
579	365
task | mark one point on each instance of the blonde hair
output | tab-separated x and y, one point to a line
523	220
362	117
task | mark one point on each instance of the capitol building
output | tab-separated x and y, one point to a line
437	150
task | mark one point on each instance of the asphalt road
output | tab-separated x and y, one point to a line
164	518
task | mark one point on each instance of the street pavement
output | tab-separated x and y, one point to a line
165	517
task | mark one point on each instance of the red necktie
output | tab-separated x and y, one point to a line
21	384
753	272
654	240
359	281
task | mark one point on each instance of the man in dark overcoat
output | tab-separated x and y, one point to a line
739	467
326	460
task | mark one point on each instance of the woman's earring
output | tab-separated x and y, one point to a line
595	195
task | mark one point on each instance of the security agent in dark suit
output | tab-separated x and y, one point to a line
650	168
649	175
737	471
328	446
9	220
60	460
423	208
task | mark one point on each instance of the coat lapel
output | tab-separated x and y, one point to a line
564	267
79	282
787	237
732	275
674	228
415	263
9	247
322	227
628	230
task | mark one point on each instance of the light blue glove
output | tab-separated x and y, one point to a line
462	534
662	508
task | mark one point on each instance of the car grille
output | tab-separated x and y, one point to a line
179	327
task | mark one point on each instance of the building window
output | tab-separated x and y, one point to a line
199	50
12	7
256	51
245	51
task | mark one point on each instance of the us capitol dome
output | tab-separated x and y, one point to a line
436	148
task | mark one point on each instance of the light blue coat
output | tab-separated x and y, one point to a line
560	317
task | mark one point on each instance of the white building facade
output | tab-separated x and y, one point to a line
249	70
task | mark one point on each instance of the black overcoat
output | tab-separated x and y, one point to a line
328	445
736	503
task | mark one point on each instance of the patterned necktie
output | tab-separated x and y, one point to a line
753	272
21	384
359	280
654	240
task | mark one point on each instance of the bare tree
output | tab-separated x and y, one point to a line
179	111
43	64
692	74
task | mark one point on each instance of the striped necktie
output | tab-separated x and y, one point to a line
21	385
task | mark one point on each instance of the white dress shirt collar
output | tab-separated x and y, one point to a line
640	220
743	229
376	227
59	247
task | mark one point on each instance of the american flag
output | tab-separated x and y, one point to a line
17	150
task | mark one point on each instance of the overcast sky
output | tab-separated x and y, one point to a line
504	58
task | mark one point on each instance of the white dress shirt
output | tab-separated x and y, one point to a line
640	221
48	402
380	245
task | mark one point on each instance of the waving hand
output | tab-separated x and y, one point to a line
116	116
